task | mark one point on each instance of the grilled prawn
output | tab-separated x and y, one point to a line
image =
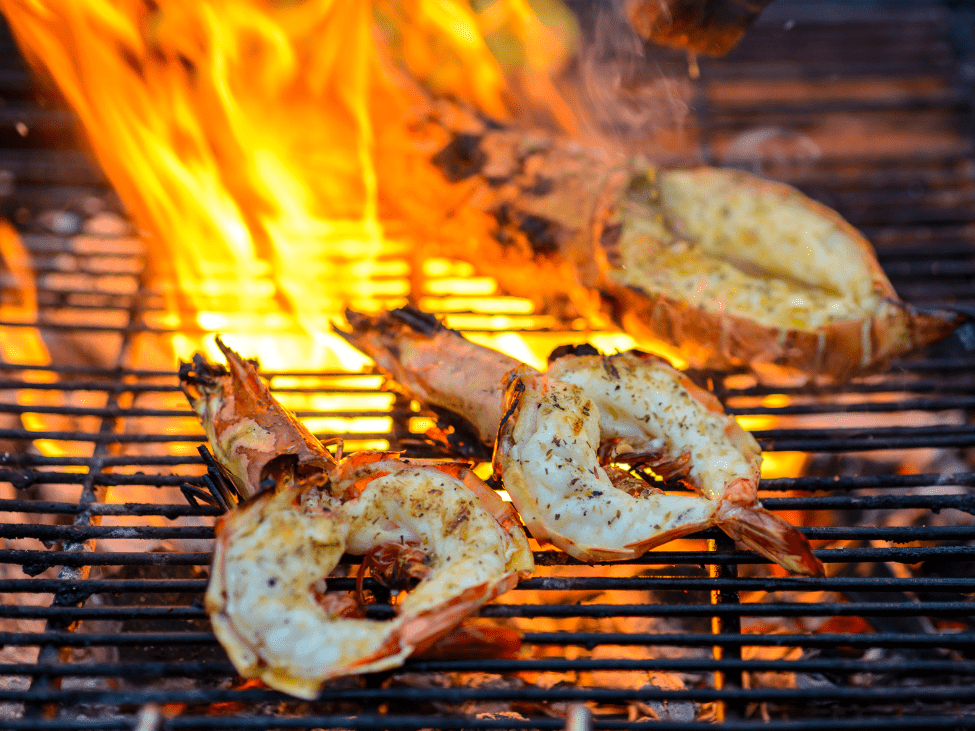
414	521
562	430
560	433
268	597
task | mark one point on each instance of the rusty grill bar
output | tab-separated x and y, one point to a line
129	646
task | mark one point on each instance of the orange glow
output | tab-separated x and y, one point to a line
265	147
276	156
22	345
19	345
774	464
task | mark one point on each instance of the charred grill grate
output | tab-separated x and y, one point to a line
101	620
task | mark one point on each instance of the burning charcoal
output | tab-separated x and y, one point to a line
499	716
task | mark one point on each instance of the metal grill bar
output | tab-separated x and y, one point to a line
895	534
960	641
189	669
450	695
384	721
820	609
544	583
911	555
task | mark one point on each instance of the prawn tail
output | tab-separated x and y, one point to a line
770	536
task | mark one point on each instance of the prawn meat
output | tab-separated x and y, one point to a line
268	596
557	435
548	456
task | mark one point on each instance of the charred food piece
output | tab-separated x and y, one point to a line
713	27
732	270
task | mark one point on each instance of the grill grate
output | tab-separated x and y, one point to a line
865	106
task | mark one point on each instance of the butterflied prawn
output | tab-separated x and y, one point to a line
268	597
558	434
548	455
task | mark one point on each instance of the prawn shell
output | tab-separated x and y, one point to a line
431	363
834	352
245	425
770	536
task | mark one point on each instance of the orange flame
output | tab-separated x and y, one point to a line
262	144
21	343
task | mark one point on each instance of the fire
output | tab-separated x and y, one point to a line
21	344
277	158
268	149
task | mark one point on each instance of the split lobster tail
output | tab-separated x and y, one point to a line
770	536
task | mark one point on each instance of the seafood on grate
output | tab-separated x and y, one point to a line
436	365
730	270
249	432
565	431
561	436
268	596
741	272
432	527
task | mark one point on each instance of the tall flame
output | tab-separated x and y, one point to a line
263	146
21	343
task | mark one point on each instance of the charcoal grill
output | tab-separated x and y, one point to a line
865	106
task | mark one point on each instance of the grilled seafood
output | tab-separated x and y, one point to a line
267	595
436	365
732	271
562	430
736	271
434	523
559	433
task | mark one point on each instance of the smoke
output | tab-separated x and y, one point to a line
631	93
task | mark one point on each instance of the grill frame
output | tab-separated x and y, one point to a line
934	192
